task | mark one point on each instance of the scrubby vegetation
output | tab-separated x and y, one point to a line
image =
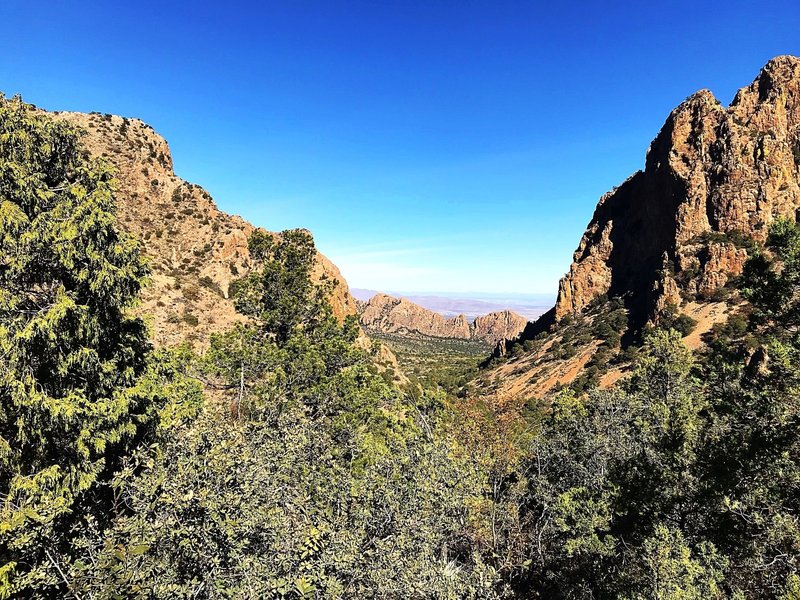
278	464
436	363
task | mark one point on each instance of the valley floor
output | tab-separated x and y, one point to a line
432	360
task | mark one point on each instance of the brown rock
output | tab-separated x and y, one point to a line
727	172
498	326
673	234
387	314
396	315
195	250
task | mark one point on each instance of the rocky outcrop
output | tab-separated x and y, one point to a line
392	315
387	314
195	250
670	237
714	177
498	326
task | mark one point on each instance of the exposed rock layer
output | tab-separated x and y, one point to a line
713	176
497	326
388	314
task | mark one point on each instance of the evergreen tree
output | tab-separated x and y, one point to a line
752	458
294	349
70	355
320	486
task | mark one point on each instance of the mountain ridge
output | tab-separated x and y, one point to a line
195	249
471	304
389	314
714	176
670	241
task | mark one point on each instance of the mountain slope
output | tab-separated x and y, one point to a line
671	240
713	177
195	250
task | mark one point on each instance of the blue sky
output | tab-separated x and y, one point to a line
429	145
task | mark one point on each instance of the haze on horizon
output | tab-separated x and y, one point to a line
434	147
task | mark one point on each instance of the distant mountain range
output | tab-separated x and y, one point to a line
471	305
387	314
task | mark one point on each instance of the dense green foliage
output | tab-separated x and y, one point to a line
294	354
74	394
685	481
317	480
234	509
302	473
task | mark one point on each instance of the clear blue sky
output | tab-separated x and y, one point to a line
429	145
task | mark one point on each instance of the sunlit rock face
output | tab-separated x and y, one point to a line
713	177
388	314
195	249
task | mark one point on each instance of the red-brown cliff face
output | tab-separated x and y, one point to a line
713	177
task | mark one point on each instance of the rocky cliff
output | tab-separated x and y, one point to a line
195	250
714	178
667	241
498	326
388	314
